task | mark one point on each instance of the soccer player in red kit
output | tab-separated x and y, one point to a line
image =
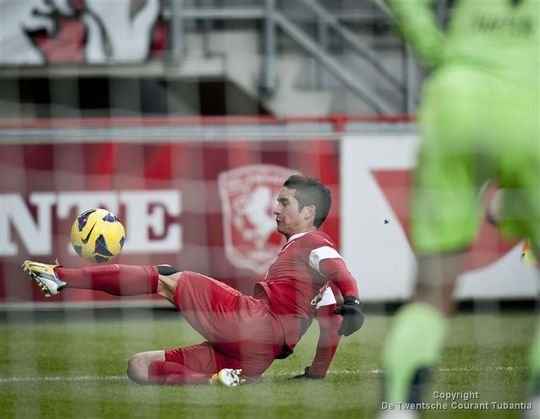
244	334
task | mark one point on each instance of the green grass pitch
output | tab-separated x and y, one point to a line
74	367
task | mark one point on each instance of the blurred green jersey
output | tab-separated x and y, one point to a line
496	36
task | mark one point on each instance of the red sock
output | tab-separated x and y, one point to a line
166	372
113	279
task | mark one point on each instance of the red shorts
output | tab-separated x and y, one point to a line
240	330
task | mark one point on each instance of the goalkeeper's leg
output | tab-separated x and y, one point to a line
415	341
534	376
534	364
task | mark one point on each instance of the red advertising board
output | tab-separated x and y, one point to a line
202	206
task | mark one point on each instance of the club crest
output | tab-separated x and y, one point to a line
248	196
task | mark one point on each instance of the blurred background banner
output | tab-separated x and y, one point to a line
198	194
377	174
39	32
204	206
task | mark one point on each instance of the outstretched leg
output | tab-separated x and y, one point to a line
122	280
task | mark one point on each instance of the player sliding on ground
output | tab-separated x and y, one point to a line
243	334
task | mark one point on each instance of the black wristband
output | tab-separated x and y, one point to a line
351	299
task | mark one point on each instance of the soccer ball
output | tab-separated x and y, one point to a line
97	235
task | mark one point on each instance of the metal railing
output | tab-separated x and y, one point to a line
276	20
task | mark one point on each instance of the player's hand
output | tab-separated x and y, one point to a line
353	318
307	376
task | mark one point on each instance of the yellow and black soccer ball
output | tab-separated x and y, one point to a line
97	235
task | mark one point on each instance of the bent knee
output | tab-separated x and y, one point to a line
137	370
138	365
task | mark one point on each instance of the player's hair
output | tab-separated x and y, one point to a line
310	191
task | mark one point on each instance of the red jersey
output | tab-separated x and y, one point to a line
297	278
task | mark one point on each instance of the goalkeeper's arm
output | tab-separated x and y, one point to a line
419	25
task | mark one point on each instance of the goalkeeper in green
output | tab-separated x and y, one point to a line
479	120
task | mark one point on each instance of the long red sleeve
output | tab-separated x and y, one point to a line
329	324
336	271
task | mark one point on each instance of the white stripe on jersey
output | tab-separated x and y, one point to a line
321	253
326	299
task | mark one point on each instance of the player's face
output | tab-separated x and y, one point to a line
290	219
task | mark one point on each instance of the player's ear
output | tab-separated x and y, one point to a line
309	211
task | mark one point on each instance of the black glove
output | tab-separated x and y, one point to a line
308	376
353	318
